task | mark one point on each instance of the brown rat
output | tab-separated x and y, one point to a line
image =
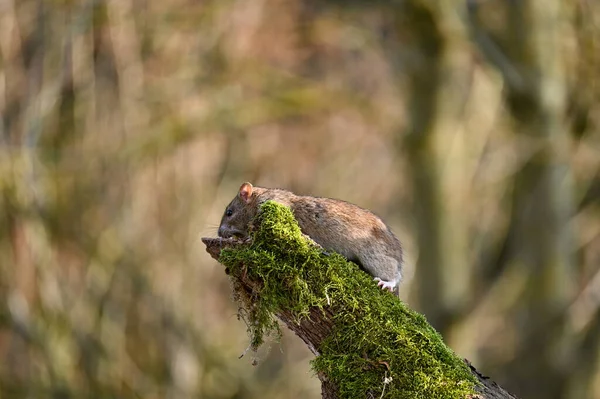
354	232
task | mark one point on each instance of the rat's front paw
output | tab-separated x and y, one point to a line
385	285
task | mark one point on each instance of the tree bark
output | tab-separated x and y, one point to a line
314	329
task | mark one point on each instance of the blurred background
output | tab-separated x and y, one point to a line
471	127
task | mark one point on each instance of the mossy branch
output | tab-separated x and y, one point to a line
367	342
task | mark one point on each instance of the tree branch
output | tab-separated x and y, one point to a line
398	342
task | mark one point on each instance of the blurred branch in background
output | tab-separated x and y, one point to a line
471	127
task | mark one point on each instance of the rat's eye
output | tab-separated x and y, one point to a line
229	212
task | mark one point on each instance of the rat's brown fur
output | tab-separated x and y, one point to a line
354	232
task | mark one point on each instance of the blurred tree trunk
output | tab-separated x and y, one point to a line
585	372
437	75
528	55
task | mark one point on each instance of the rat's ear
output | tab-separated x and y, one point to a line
246	192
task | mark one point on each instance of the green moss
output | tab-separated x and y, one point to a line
375	335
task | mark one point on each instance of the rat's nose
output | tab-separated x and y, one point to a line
220	231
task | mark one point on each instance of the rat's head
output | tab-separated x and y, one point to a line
239	213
